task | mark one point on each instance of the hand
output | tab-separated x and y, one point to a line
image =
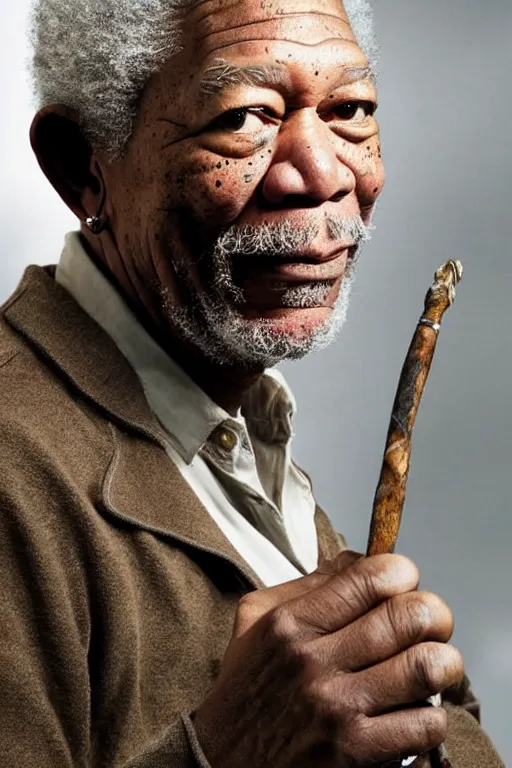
329	669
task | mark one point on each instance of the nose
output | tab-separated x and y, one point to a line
306	163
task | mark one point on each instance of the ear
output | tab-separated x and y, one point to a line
67	159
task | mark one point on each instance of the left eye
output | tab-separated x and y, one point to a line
354	110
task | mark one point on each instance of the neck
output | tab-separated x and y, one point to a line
224	384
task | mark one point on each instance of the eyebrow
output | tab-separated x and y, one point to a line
223	75
356	74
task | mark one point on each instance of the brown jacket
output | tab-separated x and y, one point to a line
117	590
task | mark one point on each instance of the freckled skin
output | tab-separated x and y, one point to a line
180	182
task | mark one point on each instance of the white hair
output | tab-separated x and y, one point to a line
96	56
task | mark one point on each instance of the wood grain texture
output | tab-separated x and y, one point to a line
390	494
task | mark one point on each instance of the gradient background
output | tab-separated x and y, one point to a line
446	124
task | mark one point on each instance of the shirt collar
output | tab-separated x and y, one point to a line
183	409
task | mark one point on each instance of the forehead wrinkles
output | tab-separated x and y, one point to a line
203	8
219	23
306	30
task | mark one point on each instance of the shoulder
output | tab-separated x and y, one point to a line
47	432
10	346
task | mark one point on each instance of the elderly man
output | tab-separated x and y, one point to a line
171	594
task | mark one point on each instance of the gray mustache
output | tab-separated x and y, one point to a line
279	239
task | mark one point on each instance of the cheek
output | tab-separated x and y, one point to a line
217	189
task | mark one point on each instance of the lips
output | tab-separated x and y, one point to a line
305	267
301	271
294	286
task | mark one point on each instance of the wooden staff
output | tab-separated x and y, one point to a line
390	494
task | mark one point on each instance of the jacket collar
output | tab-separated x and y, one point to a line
48	317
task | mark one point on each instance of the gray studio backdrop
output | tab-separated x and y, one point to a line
445	93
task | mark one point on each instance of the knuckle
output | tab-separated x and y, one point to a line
404	566
433	727
405	571
248	610
390	574
456	665
441	614
306	658
331	700
361	592
248	602
282	626
356	733
435	666
318	692
419	613
446	620
424	664
409	617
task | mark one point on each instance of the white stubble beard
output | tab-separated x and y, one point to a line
213	323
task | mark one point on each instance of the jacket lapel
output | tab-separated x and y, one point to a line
145	488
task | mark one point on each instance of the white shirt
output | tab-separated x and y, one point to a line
240	468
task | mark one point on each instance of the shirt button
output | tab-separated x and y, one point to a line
226	439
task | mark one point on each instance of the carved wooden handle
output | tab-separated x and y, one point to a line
390	494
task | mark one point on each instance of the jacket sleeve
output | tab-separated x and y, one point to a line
178	747
467	744
45	700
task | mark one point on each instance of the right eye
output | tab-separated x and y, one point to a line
242	120
232	120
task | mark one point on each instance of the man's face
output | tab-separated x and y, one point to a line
252	172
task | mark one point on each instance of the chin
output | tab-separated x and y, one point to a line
278	335
294	322
232	335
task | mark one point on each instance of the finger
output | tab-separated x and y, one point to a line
297	587
256	604
392	627
413	675
354	591
399	735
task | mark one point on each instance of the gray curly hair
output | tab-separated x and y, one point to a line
96	56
